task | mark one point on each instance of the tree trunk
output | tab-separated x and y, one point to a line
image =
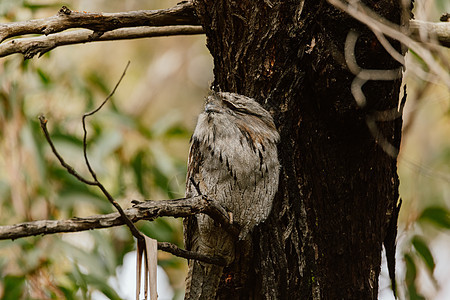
338	187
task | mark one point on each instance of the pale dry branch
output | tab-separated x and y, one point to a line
181	14
437	31
148	210
40	45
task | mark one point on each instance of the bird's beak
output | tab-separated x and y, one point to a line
211	107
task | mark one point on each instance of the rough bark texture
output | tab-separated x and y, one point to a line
338	188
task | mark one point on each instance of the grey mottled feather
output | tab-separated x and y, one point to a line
232	160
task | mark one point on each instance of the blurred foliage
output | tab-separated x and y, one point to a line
137	144
424	170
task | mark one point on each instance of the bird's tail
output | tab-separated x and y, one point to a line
203	280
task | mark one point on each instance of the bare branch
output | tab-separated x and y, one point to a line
438	31
148	210
181	14
30	47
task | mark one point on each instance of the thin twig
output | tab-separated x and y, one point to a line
93	112
136	233
69	168
171	248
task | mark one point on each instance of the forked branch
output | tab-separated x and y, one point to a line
95	181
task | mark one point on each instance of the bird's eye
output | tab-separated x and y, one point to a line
229	105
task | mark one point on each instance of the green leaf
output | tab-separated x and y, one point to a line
36	6
160	229
108	142
45	78
101	285
91	262
419	59
411	270
98	81
177	130
160	179
78	277
86	281
14	287
410	278
106	250
436	215
139	167
423	250
60	136
69	293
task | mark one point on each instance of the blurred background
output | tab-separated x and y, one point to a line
138	145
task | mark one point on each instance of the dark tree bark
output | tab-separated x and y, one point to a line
338	187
